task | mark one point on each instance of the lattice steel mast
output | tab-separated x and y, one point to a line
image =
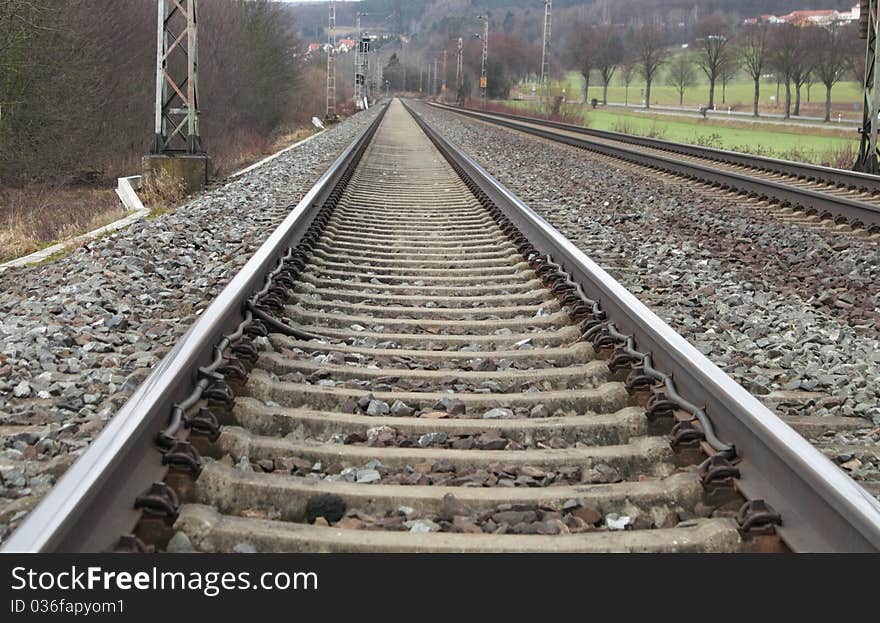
869	24
330	113
545	50
177	94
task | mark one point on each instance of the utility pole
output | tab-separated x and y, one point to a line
377	79
484	79
330	113
459	73
403	63
421	76
177	146
869	29
545	50
443	78
435	86
606	13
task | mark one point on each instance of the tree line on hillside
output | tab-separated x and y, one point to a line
77	84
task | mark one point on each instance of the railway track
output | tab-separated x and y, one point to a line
415	361
844	197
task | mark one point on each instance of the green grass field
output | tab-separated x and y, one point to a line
845	96
798	144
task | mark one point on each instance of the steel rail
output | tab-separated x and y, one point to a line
92	505
811	172
823	510
826	205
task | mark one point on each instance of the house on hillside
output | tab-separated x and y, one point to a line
803	18
820	17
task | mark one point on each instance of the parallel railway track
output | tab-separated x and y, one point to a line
415	361
844	197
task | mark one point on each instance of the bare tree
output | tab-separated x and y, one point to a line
832	59
583	51
726	73
651	53
83	115
809	40
785	51
609	54
627	73
712	51
753	47
681	75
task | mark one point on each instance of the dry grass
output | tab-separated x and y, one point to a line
34	217
251	148
162	191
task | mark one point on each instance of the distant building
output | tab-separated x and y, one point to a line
818	17
802	18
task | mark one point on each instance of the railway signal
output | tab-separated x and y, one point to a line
361	65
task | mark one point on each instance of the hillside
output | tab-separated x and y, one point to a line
427	15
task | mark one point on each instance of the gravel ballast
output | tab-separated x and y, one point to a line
791	311
78	335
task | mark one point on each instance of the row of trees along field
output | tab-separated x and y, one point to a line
717	47
795	55
77	85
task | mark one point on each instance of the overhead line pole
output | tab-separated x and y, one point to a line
177	95
176	149
443	77
545	49
330	112
459	73
484	79
869	29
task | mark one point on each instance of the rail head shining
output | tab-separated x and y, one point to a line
823	509
833	175
834	205
91	506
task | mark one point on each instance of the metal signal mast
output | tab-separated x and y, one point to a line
484	79
869	29
331	64
177	95
545	50
361	64
459	73
443	77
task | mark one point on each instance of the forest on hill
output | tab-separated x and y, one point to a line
423	15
